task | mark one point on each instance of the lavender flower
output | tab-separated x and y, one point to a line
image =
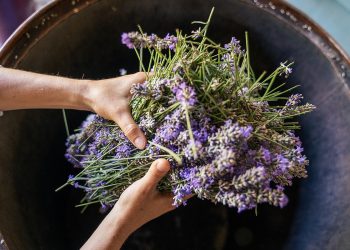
123	72
171	41
130	39
196	33
294	100
285	70
139	89
138	40
225	138
234	45
185	94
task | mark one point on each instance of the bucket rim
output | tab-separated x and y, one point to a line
35	27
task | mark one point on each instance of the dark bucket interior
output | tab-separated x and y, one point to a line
82	39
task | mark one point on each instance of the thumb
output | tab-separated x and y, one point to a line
130	128
138	77
156	172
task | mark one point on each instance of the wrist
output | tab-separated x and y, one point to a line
81	96
111	234
120	223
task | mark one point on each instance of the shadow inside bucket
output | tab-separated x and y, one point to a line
87	44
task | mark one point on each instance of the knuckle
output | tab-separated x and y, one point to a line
140	76
156	174
131	130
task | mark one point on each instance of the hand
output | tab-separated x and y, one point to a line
142	202
110	99
138	204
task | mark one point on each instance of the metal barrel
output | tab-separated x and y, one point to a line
81	38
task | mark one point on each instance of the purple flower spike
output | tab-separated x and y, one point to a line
185	94
294	100
234	45
127	41
225	134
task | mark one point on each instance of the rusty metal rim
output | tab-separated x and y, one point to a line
68	9
62	5
303	18
33	20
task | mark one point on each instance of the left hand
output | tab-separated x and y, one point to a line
109	98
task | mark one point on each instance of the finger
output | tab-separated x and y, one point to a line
149	74
156	172
130	128
138	77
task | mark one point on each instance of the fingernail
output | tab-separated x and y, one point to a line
162	167
140	142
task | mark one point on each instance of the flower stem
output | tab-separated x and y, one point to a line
172	153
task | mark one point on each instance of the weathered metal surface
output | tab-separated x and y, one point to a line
82	38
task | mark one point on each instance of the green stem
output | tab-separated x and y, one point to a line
172	153
65	122
189	127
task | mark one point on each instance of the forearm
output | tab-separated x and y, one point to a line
110	235
26	90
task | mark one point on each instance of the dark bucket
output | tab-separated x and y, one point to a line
82	39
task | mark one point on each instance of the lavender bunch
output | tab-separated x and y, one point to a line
226	133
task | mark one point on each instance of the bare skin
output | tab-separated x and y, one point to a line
109	98
139	204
